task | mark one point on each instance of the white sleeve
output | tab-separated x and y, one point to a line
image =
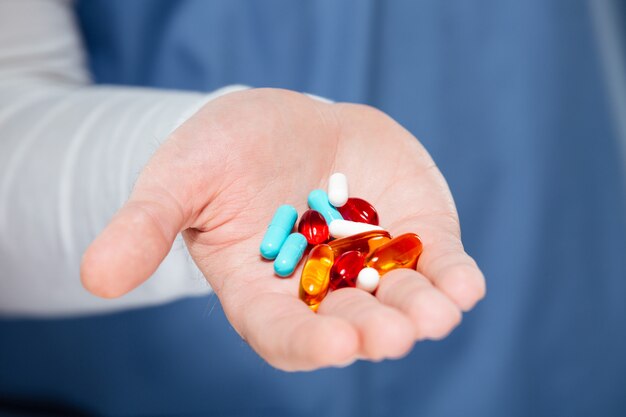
69	155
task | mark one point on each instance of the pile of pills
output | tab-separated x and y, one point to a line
349	248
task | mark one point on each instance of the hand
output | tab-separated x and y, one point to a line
218	180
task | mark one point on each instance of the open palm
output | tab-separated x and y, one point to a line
218	180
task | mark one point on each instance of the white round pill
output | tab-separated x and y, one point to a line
368	279
338	189
345	228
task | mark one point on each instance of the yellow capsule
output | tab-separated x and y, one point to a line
361	242
316	275
400	252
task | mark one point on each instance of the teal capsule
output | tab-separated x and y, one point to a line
318	200
281	225
290	254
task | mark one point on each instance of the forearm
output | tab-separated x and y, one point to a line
69	155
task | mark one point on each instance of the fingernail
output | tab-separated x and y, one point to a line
346	364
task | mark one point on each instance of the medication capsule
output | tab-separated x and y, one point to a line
345	269
314	228
283	221
368	279
400	252
345	228
359	210
318	201
316	276
338	189
360	242
290	254
375	242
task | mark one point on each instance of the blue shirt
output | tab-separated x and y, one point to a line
512	100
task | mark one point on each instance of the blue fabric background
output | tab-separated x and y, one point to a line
510	99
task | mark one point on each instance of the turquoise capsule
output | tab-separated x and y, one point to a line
290	254
318	200
281	225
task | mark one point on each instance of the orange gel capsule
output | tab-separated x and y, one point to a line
400	252
376	242
360	242
316	275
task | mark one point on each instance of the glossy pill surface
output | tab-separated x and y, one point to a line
346	269
359	210
316	275
376	242
338	189
368	279
318	201
314	228
360	242
400	252
281	225
345	228
290	254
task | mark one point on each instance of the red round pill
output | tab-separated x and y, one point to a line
359	210
346	269
314	228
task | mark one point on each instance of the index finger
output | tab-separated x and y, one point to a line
289	336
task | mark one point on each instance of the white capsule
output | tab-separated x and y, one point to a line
338	189
345	228
368	279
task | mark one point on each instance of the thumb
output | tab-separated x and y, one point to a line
135	242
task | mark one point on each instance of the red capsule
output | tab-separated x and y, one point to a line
346	269
314	228
359	210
